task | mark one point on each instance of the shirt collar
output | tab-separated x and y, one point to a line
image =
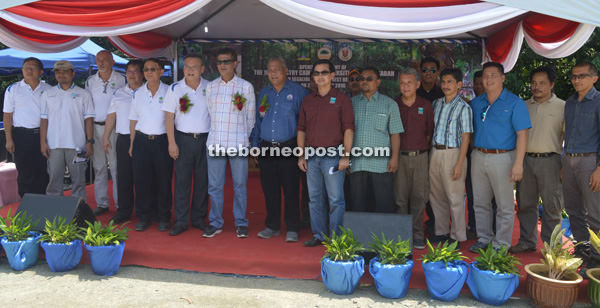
233	80
112	75
69	89
533	101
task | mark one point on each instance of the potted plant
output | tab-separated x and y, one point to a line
62	243
445	271
594	274
105	245
391	269
341	266
494	276
19	242
566	223
555	282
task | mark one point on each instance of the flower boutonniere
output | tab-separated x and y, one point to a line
264	106
239	101
185	103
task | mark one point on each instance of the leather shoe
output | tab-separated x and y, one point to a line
100	210
177	230
313	242
142	226
202	225
164	226
119	219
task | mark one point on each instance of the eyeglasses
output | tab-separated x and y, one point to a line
581	76
484	114
431	69
321	73
132	72
193	68
226	62
150	69
31	68
352	79
368	78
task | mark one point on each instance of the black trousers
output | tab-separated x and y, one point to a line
304	210
124	177
152	168
376	193
277	173
32	166
191	166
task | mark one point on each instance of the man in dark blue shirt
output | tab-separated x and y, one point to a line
277	110
580	167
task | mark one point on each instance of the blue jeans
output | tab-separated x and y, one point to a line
322	185
216	183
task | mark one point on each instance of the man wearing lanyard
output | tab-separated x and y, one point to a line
22	127
188	123
277	110
102	86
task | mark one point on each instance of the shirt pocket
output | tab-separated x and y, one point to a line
287	109
501	115
380	121
587	121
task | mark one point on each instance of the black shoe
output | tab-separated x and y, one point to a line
202	225
177	230
583	251
164	226
211	231
471	234
242	231
100	210
120	219
313	242
438	238
142	226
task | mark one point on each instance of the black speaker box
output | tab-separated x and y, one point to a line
44	206
364	225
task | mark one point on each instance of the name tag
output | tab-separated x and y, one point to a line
420	110
332	100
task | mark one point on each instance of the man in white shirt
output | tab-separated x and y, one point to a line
149	149
22	127
67	113
187	123
101	86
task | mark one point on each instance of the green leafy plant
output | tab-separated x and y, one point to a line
595	240
557	256
390	252
499	261
58	231
445	253
16	228
343	247
98	235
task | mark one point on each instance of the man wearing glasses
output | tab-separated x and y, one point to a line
500	123
378	125
326	121
231	104
429	71
188	122
22	128
581	169
353	84
102	86
412	178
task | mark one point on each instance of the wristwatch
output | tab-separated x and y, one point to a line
91	141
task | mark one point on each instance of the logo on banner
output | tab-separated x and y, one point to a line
324	53
345	54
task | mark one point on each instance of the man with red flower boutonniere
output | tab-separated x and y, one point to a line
278	107
232	108
149	149
187	122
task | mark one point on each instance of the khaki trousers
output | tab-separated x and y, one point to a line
411	185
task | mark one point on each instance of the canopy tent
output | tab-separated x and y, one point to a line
553	28
82	57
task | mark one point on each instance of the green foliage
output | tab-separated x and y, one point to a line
445	253
343	247
389	252
557	257
595	240
499	261
98	235
16	228
564	214
60	232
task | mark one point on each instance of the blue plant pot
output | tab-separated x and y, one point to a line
391	280
490	287
342	277
445	282
566	224
105	260
63	257
22	254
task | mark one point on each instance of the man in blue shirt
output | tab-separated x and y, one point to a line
580	167
500	125
277	110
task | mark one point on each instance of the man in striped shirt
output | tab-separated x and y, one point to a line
447	170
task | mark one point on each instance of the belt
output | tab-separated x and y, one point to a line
31	130
151	137
194	135
537	155
289	143
412	153
124	135
442	147
580	154
100	123
491	151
